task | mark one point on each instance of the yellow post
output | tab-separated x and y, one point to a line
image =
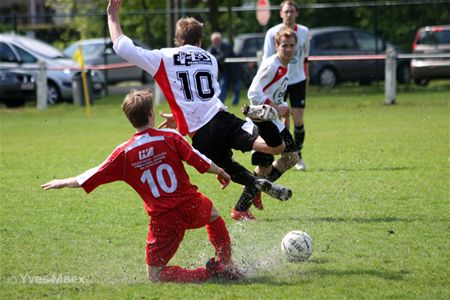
78	56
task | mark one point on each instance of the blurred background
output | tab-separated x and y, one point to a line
67	24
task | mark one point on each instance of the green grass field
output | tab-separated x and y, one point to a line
375	200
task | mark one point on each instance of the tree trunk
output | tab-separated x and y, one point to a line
214	15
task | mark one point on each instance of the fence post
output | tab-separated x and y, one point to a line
259	57
41	86
158	95
390	76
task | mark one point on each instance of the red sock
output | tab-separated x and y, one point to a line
219	237
178	274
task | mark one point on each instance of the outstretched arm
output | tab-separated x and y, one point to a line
222	176
113	11
61	183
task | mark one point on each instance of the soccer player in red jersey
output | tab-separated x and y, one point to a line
151	162
187	76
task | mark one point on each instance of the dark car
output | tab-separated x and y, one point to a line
331	41
23	53
431	40
16	87
248	45
99	51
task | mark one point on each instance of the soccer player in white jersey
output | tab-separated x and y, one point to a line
268	88
187	76
298	70
151	162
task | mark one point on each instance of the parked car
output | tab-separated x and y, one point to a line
100	51
23	53
248	45
16	87
350	41
431	40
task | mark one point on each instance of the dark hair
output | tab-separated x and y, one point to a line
188	31
289	2
138	107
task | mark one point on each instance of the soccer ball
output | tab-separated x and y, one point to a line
297	246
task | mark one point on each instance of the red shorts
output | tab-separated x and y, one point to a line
166	230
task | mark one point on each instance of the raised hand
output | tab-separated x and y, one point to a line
169	121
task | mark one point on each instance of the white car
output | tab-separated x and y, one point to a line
23	53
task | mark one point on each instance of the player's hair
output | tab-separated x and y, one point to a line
188	31
285	32
138	107
289	2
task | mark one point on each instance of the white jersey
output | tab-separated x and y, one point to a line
269	85
296	66
187	76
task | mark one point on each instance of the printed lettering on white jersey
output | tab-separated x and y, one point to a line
191	58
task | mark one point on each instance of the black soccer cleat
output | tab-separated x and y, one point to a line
274	190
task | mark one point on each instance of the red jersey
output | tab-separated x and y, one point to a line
151	162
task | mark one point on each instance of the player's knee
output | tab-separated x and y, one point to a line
154	273
214	214
279	149
290	159
262	159
287	161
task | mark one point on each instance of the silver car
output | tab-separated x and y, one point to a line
431	40
99	52
23	53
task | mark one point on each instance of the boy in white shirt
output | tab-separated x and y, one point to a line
268	88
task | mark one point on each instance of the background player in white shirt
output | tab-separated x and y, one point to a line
298	68
268	87
151	162
187	76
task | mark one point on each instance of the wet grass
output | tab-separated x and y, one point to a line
374	199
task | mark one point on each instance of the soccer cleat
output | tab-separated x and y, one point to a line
274	190
257	201
224	272
260	112
242	215
301	165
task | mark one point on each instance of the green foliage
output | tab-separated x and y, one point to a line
374	200
147	20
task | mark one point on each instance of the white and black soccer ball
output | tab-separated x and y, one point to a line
297	246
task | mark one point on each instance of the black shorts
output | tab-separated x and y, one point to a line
297	94
222	133
270	133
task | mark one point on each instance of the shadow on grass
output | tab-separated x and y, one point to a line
305	276
385	274
382	168
344	219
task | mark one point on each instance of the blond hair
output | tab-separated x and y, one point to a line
188	31
285	32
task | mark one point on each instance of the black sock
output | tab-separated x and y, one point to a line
299	137
274	175
240	174
245	201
